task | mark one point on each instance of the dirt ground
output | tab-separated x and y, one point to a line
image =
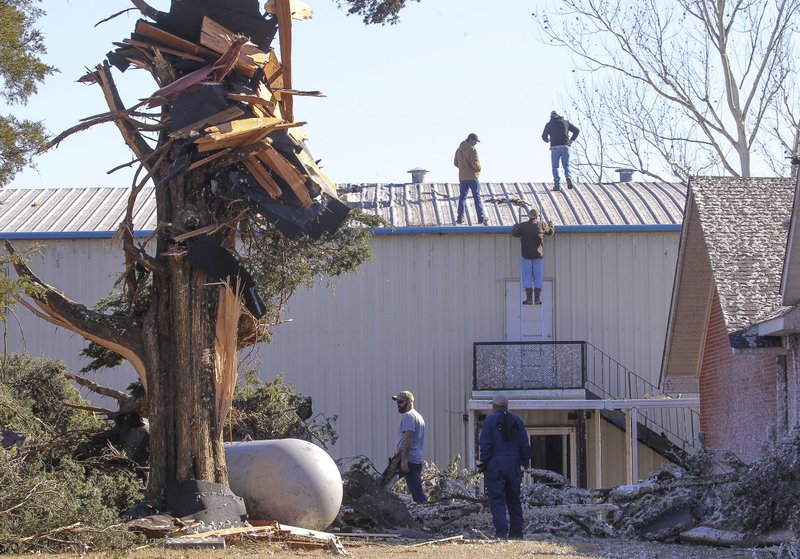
541	549
534	549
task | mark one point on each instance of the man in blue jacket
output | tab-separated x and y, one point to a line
560	133
504	451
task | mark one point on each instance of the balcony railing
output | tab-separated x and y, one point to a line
529	365
512	366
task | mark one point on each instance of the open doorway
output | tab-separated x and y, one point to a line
553	448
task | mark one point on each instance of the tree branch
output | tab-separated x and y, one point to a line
129	132
147	10
100	119
119	334
125	401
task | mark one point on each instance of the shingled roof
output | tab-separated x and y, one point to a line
745	224
733	242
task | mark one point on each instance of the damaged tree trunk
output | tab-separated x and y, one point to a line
178	339
216	175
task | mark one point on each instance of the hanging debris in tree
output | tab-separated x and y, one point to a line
231	106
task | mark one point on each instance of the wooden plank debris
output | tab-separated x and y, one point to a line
255	100
254	167
194	543
218	118
283	12
217	38
195	233
300	10
442	540
296	181
236	133
274	71
284	91
209	159
164	38
166	50
273	531
238	127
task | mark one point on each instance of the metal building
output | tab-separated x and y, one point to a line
438	312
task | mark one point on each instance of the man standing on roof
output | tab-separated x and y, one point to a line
560	133
531	263
410	443
469	169
504	449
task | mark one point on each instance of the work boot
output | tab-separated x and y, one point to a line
537	291
569	183
528	294
556	188
460	220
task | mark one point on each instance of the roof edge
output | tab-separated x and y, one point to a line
380	231
479	229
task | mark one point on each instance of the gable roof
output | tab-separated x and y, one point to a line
732	242
410	207
744	223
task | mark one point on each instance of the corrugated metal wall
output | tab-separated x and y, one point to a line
85	271
408	321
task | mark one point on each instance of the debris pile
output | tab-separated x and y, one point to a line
711	502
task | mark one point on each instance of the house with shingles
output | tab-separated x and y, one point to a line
439	312
733	323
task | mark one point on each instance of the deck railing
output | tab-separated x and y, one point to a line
520	366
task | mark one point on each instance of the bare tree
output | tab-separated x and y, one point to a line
680	87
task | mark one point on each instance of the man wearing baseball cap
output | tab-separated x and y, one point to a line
469	169
410	443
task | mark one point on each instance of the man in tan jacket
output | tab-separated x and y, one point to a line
469	169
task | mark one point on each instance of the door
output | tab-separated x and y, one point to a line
528	323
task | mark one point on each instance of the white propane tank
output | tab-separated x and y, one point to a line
288	480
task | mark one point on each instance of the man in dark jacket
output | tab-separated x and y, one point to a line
560	133
504	449
531	236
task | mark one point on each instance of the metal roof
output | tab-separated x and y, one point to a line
90	212
83	212
436	204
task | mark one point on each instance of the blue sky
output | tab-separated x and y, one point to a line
398	97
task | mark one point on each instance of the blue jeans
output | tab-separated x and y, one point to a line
532	272
475	187
414	481
503	479
559	153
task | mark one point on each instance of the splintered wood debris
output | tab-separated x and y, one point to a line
292	536
230	106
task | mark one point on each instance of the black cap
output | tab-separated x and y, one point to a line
473	136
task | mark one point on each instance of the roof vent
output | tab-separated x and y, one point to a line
625	174
417	175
